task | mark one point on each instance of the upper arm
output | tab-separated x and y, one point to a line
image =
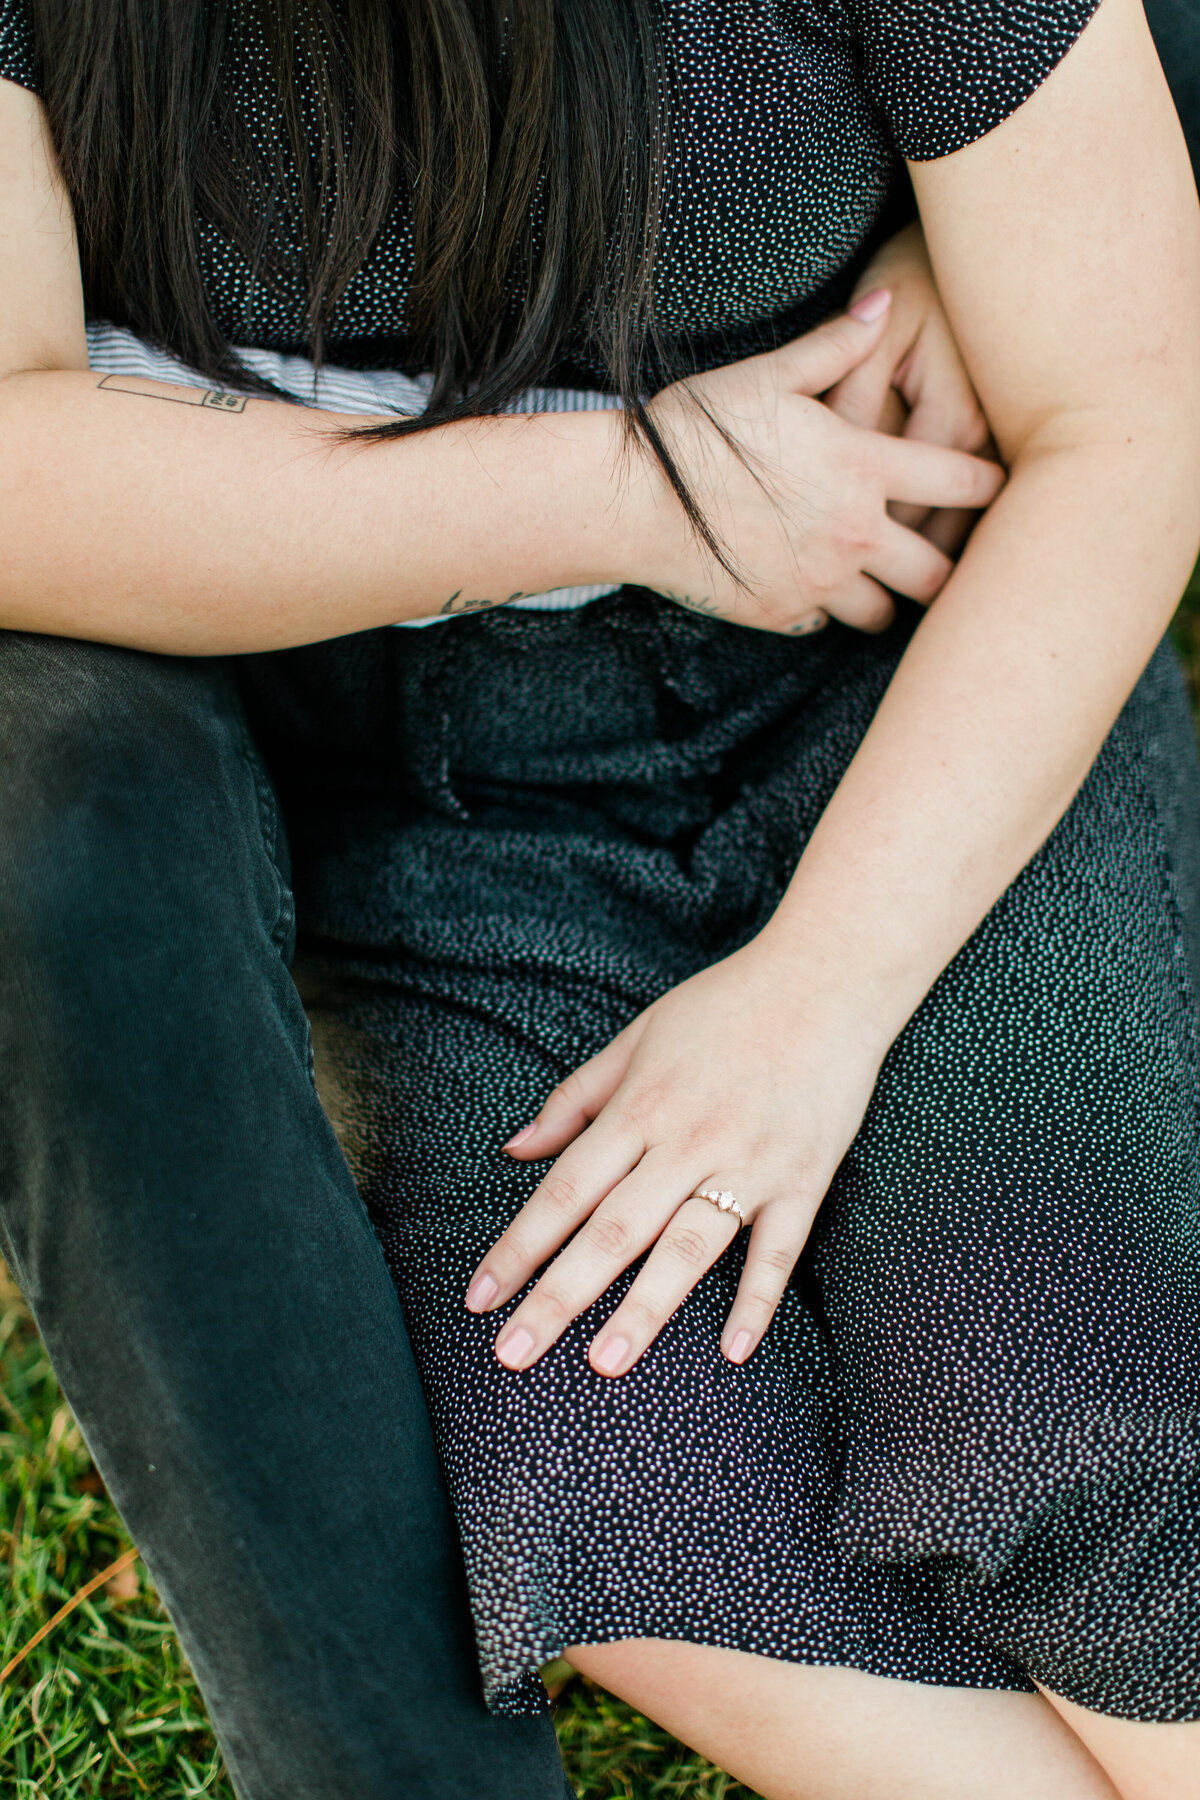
41	293
1066	245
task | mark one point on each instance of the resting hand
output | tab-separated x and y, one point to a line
753	1077
914	383
798	495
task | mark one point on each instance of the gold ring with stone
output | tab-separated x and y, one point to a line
723	1200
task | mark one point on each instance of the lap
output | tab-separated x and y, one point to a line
973	1427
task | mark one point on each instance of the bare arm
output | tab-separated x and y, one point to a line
180	527
203	529
1067	249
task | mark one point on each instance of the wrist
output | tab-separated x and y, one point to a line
639	524
583	527
850	985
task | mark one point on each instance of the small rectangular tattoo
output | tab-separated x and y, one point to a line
151	390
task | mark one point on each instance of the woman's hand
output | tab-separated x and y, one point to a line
752	1077
797	495
914	383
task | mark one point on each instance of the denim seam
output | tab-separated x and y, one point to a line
268	822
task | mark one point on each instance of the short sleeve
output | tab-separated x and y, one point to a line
16	45
945	72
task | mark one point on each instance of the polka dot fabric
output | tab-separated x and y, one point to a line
787	118
944	75
968	1451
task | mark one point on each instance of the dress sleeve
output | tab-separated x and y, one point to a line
944	72
16	45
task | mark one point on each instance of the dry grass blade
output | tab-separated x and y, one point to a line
123	1562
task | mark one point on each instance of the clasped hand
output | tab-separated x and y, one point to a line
794	459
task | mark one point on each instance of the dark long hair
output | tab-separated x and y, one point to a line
529	136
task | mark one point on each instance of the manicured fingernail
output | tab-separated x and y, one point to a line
739	1349
521	1136
871	306
515	1347
482	1292
611	1354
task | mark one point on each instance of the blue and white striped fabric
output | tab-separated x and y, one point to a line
118	352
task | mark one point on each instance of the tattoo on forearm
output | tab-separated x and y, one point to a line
216	398
457	604
699	603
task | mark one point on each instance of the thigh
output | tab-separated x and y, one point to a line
688	1500
973	1423
176	1207
1010	1257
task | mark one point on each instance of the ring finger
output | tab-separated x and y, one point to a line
697	1234
624	1225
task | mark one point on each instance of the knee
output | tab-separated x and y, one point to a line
114	764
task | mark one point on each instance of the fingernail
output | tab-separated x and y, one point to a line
482	1292
513	1349
611	1354
871	306
739	1349
521	1136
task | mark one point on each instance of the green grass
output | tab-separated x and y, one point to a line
105	1708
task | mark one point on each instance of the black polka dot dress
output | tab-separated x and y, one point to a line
787	120
968	1451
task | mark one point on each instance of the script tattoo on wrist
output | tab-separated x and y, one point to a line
216	399
457	604
697	603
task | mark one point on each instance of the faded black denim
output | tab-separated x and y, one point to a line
1176	28
177	1210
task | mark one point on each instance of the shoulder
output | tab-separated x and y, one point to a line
17	61
945	72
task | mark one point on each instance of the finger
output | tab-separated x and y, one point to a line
820	359
912	517
690	1244
953	418
909	564
863	604
860	396
570	1107
931	475
816	620
776	1240
574	1188
949	530
616	1234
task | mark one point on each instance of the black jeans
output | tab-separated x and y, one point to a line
177	1210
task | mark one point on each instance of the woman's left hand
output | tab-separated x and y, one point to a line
752	1077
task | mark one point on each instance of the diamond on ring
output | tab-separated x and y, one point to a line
723	1200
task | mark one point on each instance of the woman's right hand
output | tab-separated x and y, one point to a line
796	496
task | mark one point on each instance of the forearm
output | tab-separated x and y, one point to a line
185	529
995	715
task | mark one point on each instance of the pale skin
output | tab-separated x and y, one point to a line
203	530
1067	251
